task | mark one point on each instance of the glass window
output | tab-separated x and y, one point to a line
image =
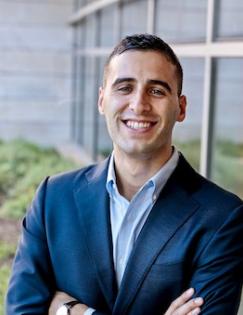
229	17
134	17
108	25
90	25
187	134
104	141
79	36
227	164
89	102
181	21
78	99
78	4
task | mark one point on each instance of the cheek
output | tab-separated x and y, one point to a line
110	118
114	110
110	102
167	113
173	110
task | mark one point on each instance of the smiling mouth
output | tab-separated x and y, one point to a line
138	125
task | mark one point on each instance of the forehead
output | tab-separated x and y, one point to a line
141	65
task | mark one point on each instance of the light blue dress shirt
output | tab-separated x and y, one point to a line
127	218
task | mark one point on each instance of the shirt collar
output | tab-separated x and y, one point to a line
158	180
111	175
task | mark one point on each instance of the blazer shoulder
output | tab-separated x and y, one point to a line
77	178
70	176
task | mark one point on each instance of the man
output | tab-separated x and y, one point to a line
129	235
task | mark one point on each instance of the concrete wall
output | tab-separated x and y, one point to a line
35	70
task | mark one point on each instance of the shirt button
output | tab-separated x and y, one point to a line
154	197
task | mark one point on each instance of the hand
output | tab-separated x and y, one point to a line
60	298
184	305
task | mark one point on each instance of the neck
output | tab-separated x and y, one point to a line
132	172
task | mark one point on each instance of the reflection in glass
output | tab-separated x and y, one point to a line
187	134
104	141
77	108
134	17
229	17
227	168
89	25
89	103
108	26
181	21
79	3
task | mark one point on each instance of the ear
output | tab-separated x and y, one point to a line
182	108
100	101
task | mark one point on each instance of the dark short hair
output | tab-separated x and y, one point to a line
147	42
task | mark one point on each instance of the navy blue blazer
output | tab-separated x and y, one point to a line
192	238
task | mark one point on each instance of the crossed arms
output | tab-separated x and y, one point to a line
183	305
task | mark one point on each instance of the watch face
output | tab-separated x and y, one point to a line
62	310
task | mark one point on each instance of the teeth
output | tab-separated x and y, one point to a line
137	125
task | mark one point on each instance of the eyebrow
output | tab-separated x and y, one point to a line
162	83
157	82
121	80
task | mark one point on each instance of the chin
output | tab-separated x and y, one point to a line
141	149
138	152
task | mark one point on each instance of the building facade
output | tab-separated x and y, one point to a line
35	70
207	35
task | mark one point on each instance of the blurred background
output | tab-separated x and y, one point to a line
52	54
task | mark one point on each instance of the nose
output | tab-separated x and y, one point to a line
139	104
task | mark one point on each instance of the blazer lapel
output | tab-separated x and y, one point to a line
92	200
171	211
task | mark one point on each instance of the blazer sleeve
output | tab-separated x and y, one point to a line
32	282
219	271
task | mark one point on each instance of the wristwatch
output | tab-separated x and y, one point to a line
66	307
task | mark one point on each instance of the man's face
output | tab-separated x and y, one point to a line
141	104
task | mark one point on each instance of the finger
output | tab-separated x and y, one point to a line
191	307
196	311
182	299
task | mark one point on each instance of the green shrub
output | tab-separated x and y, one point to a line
191	150
6	251
22	167
4	276
6	254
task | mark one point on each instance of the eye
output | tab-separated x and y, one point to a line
124	89
156	92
